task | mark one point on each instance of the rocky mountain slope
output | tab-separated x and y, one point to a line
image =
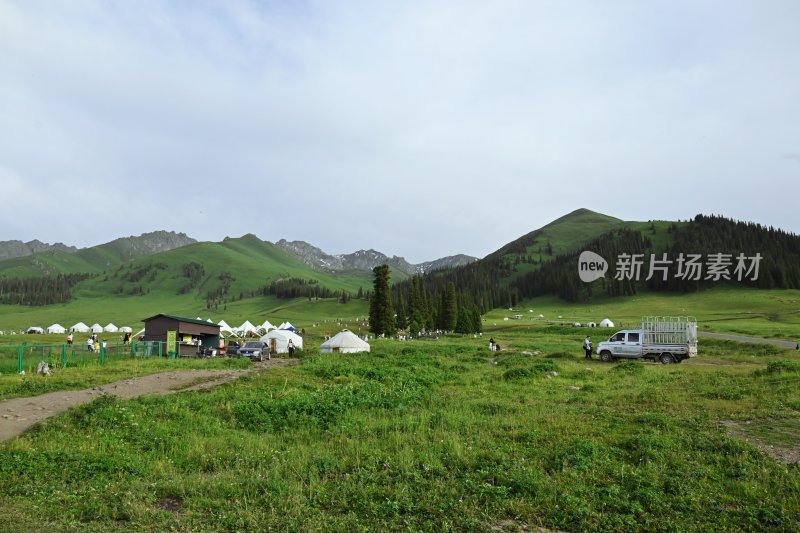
364	259
12	249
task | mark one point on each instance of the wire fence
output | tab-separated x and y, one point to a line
26	357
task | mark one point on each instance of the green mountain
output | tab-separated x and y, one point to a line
545	261
232	278
246	277
229	270
563	235
94	259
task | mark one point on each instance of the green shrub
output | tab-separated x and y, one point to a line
779	367
629	367
559	355
517	373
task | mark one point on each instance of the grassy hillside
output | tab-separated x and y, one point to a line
251	262
94	259
563	235
47	264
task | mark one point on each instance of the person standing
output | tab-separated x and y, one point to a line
291	348
90	344
587	347
491	344
69	339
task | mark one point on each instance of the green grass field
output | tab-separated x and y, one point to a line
760	313
435	434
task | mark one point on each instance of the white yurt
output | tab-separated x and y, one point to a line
56	328
34	329
591	325
125	329
96	328
80	327
606	323
577	324
346	342
278	341
111	328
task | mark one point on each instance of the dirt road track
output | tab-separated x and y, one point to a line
17	415
740	338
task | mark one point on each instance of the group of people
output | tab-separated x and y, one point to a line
93	345
587	346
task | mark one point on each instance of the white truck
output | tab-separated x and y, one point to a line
659	338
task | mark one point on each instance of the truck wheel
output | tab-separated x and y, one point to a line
605	356
666	359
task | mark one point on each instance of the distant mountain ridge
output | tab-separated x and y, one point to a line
133	247
69	260
319	260
12	249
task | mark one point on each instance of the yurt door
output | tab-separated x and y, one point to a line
273	346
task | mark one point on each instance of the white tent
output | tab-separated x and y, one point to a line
125	329
111	328
56	328
346	342
34	329
606	323
267	325
278	340
591	324
246	328
80	327
223	325
96	328
287	325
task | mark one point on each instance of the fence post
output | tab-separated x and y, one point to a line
20	354
63	356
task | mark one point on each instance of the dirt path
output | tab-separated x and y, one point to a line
741	338
17	415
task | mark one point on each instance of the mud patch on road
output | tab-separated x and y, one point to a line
777	437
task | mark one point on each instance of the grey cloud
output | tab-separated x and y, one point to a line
421	129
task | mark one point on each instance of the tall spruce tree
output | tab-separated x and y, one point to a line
401	313
381	313
449	318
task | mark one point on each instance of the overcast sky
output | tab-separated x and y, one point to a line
420	129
